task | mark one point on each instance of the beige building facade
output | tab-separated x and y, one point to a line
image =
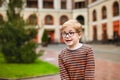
51	14
54	14
104	20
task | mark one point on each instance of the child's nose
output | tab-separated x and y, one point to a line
67	35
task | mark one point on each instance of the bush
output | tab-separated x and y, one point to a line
28	54
23	54
45	39
15	40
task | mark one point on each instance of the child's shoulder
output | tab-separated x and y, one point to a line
87	46
62	52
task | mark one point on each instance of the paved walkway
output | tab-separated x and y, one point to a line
107	61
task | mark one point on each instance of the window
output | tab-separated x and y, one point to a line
80	19
32	20
104	13
104	32
49	20
94	15
63	19
95	33
115	9
63	4
32	3
48	4
79	5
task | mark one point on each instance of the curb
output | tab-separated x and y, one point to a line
28	77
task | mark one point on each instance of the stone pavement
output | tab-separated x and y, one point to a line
107	61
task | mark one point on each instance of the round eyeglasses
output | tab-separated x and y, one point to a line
70	34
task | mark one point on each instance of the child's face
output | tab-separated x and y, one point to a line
70	37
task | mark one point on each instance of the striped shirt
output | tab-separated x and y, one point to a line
77	64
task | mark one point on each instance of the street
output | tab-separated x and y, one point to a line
107	61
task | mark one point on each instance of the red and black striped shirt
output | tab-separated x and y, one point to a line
77	64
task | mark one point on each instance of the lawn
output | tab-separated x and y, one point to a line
14	71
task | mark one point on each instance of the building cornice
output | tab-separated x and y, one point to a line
103	21
46	10
80	10
116	18
96	3
94	23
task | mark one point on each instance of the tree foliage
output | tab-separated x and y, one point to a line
15	40
45	38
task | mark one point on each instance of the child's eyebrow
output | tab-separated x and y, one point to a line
68	31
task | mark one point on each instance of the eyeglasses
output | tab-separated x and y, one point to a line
70	34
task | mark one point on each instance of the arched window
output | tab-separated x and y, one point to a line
63	19
94	15
80	19
95	33
49	20
104	13
32	20
115	9
1	19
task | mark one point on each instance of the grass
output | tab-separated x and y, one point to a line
14	71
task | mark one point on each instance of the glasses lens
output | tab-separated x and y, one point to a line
63	34
71	33
68	34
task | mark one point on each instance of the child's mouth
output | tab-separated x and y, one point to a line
68	40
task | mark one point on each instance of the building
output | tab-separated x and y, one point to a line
104	20
100	18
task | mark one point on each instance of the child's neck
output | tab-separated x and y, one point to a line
75	47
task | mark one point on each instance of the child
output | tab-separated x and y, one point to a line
76	62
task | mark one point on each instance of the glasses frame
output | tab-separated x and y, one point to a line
70	34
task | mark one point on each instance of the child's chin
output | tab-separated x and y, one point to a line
69	43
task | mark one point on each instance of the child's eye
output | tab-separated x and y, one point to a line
71	33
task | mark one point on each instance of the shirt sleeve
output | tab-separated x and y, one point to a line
63	71
90	65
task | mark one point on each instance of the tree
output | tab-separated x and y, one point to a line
45	39
16	40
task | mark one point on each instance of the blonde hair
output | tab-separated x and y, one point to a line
72	23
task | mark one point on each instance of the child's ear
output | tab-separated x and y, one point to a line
80	34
